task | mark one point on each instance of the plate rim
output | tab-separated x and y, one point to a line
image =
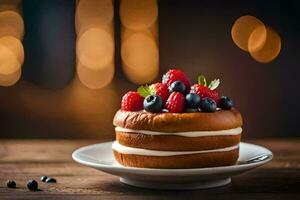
190	171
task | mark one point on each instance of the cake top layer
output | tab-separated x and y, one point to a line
179	122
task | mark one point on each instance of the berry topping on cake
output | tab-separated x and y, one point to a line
132	101
208	105
177	86
192	100
225	103
176	95
153	103
176	75
175	102
203	90
161	90
158	89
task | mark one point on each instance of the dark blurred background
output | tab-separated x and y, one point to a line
195	36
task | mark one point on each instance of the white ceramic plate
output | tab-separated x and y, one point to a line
100	156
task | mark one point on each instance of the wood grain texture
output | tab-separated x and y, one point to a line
29	159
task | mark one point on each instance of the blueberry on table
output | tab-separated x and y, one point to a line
11	184
177	86
50	180
208	105
153	103
225	103
44	178
192	100
32	185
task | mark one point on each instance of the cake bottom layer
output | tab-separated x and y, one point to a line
198	160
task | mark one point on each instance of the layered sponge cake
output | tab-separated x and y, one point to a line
182	131
173	140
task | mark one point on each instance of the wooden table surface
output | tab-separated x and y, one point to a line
22	160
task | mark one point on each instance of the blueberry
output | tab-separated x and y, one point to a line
208	105
32	185
44	178
225	103
192	100
191	110
11	184
50	180
177	86
153	103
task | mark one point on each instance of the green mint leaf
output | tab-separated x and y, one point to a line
214	84
202	80
151	89
145	90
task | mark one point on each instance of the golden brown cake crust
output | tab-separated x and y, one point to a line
213	159
176	143
179	122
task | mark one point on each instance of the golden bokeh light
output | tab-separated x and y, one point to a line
95	78
109	29
140	51
11	48
243	28
152	32
11	24
140	58
251	35
271	46
139	40
257	39
137	14
10	79
95	48
97	12
9	63
10	67
14	45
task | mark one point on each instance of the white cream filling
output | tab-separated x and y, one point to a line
235	131
146	152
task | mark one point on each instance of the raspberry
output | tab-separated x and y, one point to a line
176	75
161	90
175	102
132	101
204	91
